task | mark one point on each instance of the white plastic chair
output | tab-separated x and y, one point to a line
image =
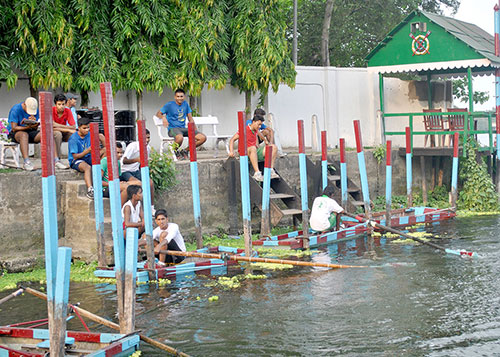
5	146
164	139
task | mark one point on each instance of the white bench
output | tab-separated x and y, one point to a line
165	139
212	121
5	146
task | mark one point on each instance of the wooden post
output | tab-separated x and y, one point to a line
195	188
362	168
324	161
454	174
146	197
245	184
303	184
429	91
130	280
424	181
343	173
49	215
61	296
114	196
408	167
97	183
265	226
388	183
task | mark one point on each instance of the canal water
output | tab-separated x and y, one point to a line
412	301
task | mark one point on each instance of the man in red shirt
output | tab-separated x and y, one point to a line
255	153
64	126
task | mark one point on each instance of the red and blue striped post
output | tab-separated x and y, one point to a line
146	196
388	183
265	226
324	161
409	179
97	183
195	187
130	277
303	183
114	197
497	92
57	260
245	183
343	173
454	172
362	167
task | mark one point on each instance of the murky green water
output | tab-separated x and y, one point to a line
417	302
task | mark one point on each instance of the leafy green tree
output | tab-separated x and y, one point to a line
7	24
43	42
461	92
259	48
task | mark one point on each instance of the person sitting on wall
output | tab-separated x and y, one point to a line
174	114
71	105
105	178
324	211
132	211
64	126
255	153
167	237
265	134
131	163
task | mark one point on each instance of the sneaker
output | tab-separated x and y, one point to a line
179	155
90	193
28	166
257	176
274	174
185	154
61	165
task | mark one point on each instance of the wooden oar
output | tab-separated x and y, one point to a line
461	252
110	324
259	260
11	295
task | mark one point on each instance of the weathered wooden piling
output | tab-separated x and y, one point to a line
195	188
130	280
245	184
97	184
388	183
146	196
362	168
114	197
324	161
265	226
303	183
343	173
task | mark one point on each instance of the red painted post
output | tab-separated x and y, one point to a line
300	129
242	133
143	152
47	133
342	150
343	173
95	144
324	150
357	134
388	183
409	179
192	142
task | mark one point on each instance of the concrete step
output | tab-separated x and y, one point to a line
353	189
105	205
291	211
280	196
333	177
357	203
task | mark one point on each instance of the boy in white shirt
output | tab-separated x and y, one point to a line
167	237
324	209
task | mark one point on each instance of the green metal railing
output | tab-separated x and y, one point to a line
471	121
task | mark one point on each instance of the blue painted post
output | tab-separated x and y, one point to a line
362	168
146	197
303	184
245	183
388	184
409	167
130	279
61	295
195	188
265	225
343	173
114	196
98	200
324	161
454	172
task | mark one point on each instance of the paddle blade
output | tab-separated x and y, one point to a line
462	253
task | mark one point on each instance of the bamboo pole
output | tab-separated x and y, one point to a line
259	260
110	324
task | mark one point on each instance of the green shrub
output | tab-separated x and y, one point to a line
162	171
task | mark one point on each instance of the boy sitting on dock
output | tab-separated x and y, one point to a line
123	184
132	212
255	153
324	211
167	237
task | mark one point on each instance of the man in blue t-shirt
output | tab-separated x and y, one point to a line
174	115
23	127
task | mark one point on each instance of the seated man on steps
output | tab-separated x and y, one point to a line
255	153
324	211
266	134
64	126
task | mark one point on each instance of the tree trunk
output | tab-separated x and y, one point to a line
84	99
248	104
192	104
325	53
33	91
139	105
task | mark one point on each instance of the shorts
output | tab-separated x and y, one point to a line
105	191
127	175
31	135
173	132
260	153
333	221
75	164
